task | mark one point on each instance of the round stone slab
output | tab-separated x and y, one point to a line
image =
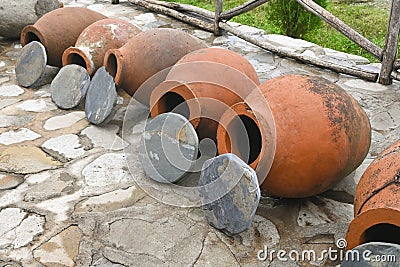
168	147
373	254
101	98
69	87
31	64
230	193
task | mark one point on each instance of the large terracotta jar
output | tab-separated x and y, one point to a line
58	30
206	83
377	201
96	40
322	135
147	54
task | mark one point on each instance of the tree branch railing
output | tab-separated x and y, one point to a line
215	21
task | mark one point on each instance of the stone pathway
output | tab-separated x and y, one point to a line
67	197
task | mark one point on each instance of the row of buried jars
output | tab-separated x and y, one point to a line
301	134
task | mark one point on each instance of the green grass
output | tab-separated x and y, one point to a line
369	19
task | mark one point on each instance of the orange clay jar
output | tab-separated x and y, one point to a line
147	54
377	202
207	81
322	135
58	30
96	40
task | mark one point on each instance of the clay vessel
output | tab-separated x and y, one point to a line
15	15
58	30
213	79
377	202
322	135
146	54
96	39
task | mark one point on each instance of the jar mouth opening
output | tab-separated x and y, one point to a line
76	56
177	97
382	232
29	34
173	102
113	63
248	129
239	133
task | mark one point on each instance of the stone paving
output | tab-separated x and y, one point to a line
67	197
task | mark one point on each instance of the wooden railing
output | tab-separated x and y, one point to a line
217	21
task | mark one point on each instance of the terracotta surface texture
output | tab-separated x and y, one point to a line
147	54
210	80
377	203
58	30
96	40
322	135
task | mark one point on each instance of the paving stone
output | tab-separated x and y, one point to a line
11	90
111	201
25	159
215	253
101	98
31	64
166	240
364	85
37	105
64	147
263	67
262	233
309	53
107	172
21	135
44	91
349	183
10	120
105	136
382	122
373	254
48	185
8	102
103	262
318	210
394	112
69	87
4	79
288	42
61	249
9	181
230	211
63	121
18	228
168	147
146	18
202	34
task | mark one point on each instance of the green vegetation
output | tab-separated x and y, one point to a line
291	18
369	19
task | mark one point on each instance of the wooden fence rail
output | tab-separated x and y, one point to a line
215	21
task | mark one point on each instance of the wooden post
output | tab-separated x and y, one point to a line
342	27
219	5
175	14
392	40
367	75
